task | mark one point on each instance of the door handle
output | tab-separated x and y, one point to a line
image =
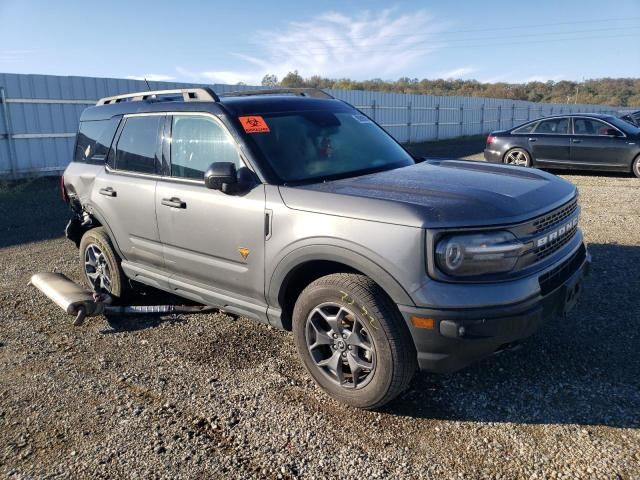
533	139
174	202
576	140
108	192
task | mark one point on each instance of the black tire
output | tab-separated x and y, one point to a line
119	284
394	355
635	167
515	155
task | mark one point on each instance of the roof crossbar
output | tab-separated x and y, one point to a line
203	94
303	92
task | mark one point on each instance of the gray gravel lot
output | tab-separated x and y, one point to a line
209	396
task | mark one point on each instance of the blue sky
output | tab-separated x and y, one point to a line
229	42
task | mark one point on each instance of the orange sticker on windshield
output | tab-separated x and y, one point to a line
254	124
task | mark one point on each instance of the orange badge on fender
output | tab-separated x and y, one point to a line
244	252
254	124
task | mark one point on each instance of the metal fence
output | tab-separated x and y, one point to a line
39	115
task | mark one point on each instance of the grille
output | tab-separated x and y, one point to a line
554	245
560	274
557	216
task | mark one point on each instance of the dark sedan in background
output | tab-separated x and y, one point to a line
580	141
632	117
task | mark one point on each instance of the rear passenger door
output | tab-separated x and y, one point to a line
550	141
124	191
213	242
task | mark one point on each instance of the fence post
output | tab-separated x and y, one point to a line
373	109
528	112
437	121
409	123
499	117
462	119
482	119
513	115
551	112
9	130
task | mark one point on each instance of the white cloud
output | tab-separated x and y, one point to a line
457	73
152	77
384	44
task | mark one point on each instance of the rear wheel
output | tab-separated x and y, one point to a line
518	157
353	340
101	264
636	166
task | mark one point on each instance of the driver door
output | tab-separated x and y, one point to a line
213	243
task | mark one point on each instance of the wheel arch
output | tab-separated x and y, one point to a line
306	264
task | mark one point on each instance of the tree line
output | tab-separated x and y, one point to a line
618	92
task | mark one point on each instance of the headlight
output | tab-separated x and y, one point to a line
477	253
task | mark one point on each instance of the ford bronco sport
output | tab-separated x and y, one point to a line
295	209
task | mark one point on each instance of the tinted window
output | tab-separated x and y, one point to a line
526	128
94	140
138	144
197	142
589	126
553	126
315	145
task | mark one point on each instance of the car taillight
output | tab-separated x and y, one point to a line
63	191
491	139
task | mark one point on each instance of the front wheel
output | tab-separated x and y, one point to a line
518	157
353	341
636	166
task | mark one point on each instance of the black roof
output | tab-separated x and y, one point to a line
236	103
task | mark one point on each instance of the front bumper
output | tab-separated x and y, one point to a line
460	337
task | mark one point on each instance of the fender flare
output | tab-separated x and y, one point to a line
95	212
334	253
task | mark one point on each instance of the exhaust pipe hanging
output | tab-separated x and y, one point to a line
82	303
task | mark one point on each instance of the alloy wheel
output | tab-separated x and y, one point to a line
340	345
517	157
96	268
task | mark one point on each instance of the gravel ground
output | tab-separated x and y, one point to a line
209	396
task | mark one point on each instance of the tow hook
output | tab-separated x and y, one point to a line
82	303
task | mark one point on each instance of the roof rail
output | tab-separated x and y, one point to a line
203	94
303	92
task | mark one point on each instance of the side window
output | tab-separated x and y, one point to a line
589	126
526	128
197	142
94	140
553	126
138	144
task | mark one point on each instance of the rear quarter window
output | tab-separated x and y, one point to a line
94	140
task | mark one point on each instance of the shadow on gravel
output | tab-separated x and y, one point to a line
131	323
582	369
452	148
30	211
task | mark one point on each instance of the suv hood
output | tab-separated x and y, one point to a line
437	194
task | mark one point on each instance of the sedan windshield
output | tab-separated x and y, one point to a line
316	145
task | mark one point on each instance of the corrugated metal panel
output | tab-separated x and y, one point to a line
409	118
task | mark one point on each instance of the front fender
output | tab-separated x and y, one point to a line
340	254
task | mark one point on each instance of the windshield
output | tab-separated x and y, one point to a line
623	125
315	145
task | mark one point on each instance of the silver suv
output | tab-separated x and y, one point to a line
295	209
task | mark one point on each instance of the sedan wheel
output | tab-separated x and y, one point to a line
517	157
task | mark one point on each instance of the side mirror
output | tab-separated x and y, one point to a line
612	132
220	175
